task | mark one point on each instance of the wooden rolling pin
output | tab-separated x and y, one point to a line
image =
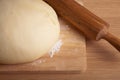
88	23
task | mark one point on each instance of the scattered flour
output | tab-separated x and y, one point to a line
55	48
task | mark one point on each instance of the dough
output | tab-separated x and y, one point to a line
28	30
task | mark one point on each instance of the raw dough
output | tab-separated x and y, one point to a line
28	29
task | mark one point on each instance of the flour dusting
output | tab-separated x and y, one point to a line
37	62
55	48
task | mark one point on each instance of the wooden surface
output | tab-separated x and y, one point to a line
71	57
102	59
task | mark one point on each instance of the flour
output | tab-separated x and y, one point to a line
55	48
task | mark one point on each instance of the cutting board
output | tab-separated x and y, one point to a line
70	58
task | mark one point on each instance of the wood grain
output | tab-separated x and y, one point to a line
102	59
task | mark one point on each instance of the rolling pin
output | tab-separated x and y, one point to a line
85	21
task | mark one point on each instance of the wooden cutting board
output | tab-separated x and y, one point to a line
70	58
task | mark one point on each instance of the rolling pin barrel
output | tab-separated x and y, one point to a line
88	23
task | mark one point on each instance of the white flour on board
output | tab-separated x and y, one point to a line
55	48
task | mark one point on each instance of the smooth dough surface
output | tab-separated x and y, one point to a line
28	29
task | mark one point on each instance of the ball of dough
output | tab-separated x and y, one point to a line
28	29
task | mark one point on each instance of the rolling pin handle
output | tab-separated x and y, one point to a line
113	40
